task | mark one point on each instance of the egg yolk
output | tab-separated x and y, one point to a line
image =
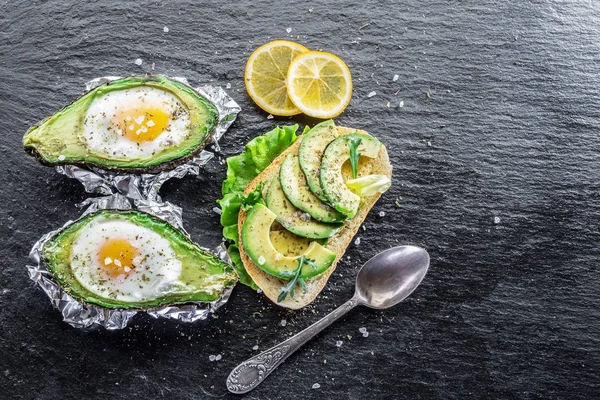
141	124
116	257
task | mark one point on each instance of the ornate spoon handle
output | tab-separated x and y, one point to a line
253	371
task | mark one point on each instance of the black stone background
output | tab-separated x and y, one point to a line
500	118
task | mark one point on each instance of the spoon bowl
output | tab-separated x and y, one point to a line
391	276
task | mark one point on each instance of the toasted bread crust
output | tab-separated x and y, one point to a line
270	284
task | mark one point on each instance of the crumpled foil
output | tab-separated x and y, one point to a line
146	186
87	316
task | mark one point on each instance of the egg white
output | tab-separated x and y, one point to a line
101	137
157	275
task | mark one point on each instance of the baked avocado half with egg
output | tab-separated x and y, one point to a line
139	124
133	260
290	263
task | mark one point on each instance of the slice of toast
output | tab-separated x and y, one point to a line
272	285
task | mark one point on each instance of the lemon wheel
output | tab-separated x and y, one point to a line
266	76
319	84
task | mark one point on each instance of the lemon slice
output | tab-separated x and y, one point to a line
266	76
319	84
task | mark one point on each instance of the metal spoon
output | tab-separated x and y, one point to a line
384	281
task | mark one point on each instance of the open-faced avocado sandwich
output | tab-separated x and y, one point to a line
130	125
292	204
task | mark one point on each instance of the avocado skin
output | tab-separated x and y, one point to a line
56	257
118	166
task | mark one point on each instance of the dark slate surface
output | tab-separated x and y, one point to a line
493	131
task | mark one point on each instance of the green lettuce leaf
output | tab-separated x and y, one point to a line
258	154
241	170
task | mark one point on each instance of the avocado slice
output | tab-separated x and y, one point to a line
202	277
311	151
293	183
293	219
59	139
332	181
289	244
260	249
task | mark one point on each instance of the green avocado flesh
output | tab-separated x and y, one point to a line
59	139
293	183
288	244
256	240
332	181
203	277
293	219
311	151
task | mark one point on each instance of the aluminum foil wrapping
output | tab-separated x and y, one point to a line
140	192
146	186
87	316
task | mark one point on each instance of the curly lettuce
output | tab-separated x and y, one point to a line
241	170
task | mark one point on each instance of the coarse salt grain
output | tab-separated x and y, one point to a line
288	30
357	241
339	343
261	260
270	116
396	77
382	213
371	94
255	347
61	158
316	386
362	330
283	322
496	220
138	61
401	103
165	29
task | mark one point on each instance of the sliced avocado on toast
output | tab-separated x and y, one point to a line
311	151
293	219
257	243
282	172
332	182
296	189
